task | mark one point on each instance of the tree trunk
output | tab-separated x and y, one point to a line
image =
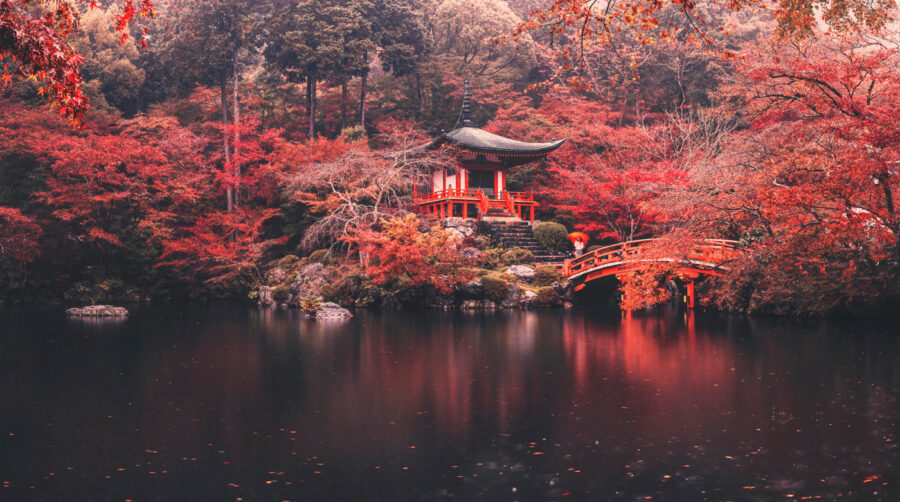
362	99
420	96
228	192
311	104
237	136
344	93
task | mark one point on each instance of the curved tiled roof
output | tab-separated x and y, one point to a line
479	140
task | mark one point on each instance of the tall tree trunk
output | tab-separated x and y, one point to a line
344	93
311	104
362	99
229	195
237	136
420	96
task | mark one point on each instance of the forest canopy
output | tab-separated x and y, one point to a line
179	148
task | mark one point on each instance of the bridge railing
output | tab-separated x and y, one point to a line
713	251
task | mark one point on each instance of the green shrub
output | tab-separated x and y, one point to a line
493	258
552	235
353	133
341	290
322	256
547	297
517	256
281	293
310	304
495	288
545	275
287	263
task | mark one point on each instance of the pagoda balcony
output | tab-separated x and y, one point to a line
468	203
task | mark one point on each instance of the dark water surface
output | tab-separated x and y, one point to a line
224	402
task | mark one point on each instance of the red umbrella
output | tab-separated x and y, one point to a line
579	236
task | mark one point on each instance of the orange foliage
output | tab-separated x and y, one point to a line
402	254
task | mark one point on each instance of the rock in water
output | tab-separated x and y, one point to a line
528	299
98	311
265	296
330	310
513	295
473	290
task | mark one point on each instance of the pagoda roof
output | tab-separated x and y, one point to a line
478	140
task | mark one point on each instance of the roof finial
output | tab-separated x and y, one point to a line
467	107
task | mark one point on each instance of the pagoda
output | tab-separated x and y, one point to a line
477	187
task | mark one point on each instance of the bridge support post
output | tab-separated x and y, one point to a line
691	295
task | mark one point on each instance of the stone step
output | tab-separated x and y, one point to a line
519	234
514	230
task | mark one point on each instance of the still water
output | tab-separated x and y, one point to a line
224	402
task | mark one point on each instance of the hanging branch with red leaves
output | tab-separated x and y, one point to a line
34	45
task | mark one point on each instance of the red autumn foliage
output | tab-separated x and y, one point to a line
809	189
19	236
34	37
617	168
150	183
400	253
577	26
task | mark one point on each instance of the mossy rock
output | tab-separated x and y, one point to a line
495	287
547	297
545	275
516	256
343	290
482	241
552	235
287	263
281	294
322	256
493	258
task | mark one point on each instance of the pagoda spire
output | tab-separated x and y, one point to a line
466	116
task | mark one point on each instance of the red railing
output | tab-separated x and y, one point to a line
442	201
450	193
509	202
483	201
708	252
521	196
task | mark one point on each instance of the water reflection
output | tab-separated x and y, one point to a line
222	402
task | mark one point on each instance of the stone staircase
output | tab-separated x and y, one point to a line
519	234
497	212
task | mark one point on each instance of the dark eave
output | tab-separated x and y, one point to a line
478	140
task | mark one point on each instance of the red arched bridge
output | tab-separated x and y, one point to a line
704	257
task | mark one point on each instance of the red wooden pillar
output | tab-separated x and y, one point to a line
465	210
496	184
531	218
444	174
691	295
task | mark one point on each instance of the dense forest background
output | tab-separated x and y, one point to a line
223	135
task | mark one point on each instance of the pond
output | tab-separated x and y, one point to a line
226	402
